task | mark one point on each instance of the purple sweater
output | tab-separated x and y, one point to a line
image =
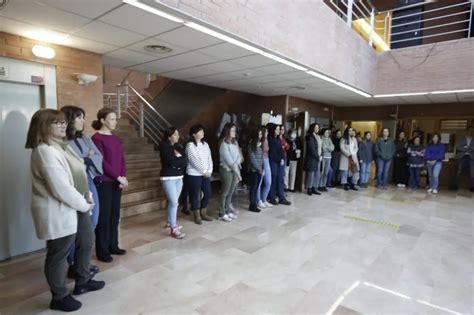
114	161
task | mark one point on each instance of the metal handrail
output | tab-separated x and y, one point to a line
432	10
431	19
430	27
428	36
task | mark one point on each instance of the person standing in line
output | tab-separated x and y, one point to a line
60	206
349	163
286	148
85	148
312	161
109	185
465	157
384	151
336	157
256	171
434	156
266	182
199	171
366	159
294	154
277	166
327	149
400	171
416	155
230	159
173	165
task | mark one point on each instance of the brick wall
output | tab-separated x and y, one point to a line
67	61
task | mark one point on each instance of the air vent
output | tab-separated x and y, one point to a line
157	49
453	124
3	3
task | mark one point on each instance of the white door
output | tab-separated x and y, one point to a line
18	102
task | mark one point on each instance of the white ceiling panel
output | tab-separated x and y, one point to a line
416	99
466	97
89	45
295	75
109	34
225	51
126	57
87	8
276	69
443	98
140	47
174	63
139	21
188	38
205	70
253	61
42	15
218	77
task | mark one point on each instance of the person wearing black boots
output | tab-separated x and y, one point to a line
312	161
349	163
277	166
255	153
335	158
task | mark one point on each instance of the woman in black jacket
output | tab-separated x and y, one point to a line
173	165
277	166
312	161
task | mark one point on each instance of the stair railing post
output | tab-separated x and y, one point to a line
142	120
372	23
126	97
118	103
349	12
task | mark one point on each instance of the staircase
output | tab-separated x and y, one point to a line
144	193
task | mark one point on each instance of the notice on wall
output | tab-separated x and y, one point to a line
444	138
3	71
269	118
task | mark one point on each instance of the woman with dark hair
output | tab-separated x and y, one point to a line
277	166
400	171
434	156
312	161
256	171
109	185
230	159
265	184
199	171
416	154
286	148
384	152
173	165
85	148
335	157
294	154
349	163
366	158
60	207
326	151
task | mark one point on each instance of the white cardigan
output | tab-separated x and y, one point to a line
55	200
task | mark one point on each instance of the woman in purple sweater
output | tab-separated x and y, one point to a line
434	156
109	185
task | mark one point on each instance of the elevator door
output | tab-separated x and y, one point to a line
18	102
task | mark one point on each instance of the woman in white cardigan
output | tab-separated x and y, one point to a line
349	163
60	205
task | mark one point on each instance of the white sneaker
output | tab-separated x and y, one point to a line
435	191
267	204
232	216
261	205
226	218
430	190
404	186
233	210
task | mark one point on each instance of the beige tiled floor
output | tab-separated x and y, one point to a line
340	253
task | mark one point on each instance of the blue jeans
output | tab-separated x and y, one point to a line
196	184
254	181
313	178
414	177
365	172
383	167
278	181
330	175
433	173
172	188
265	181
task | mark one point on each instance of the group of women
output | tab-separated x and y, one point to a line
77	183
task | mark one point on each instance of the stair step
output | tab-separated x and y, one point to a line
138	147
141	156
134	140
140	195
143	206
126	133
143	183
140	164
123	127
143	173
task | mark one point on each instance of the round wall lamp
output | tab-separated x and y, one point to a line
43	52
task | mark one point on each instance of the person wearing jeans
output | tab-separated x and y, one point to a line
416	153
230	159
266	181
256	171
327	148
434	156
277	166
199	172
384	151
366	159
294	154
312	161
349	163
173	164
400	171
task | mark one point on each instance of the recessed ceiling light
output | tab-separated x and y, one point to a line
158	49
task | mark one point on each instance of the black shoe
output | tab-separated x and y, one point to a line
321	189
94	269
353	187
118	251
254	208
285	202
346	187
106	258
66	304
471	189
89	286
309	192
273	202
315	192
186	211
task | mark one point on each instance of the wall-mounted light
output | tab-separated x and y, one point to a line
43	52
85	79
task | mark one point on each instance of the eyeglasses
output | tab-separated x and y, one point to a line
60	123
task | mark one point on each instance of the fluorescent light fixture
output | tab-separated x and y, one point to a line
47	36
350	88
452	91
400	94
284	61
153	10
43	52
321	76
223	37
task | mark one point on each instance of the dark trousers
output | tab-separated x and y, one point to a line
335	177
278	181
463	163
106	231
184	196
196	184
254	181
400	170
415	177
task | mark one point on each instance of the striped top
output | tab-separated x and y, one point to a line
199	159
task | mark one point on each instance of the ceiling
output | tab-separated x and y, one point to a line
120	32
